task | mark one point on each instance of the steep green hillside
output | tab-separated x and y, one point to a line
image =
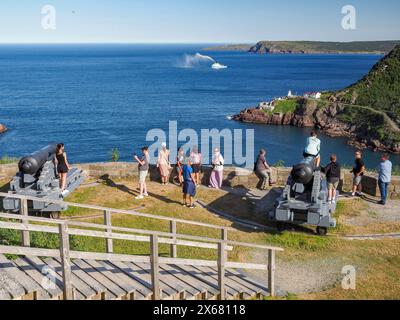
323	47
379	89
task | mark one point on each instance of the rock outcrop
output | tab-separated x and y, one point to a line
3	128
309	114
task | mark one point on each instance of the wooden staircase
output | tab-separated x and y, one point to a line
30	273
33	278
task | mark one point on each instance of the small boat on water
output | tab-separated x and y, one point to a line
217	65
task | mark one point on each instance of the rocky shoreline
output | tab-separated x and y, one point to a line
3	128
309	115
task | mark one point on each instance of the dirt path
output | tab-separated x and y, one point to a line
392	124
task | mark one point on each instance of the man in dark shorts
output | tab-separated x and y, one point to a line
358	173
189	185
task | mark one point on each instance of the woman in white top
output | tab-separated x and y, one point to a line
163	163
218	170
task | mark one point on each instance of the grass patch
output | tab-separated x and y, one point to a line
285	106
8	160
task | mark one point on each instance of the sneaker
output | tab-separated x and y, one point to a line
353	194
145	194
333	201
184	204
140	197
65	193
192	206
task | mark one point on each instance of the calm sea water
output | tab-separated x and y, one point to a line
98	97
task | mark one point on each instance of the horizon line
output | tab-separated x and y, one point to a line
188	42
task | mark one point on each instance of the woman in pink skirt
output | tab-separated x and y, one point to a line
217	174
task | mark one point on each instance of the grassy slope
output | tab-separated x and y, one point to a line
379	89
373	103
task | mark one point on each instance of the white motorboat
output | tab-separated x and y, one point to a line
217	65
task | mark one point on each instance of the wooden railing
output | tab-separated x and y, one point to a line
65	228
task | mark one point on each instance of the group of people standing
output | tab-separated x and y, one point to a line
187	168
333	170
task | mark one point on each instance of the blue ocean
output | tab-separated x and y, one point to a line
98	97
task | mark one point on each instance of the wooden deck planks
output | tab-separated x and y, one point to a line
143	277
165	282
101	291
130	285
207	278
77	283
114	291
30	286
53	290
230	283
248	282
191	292
11	286
40	265
120	280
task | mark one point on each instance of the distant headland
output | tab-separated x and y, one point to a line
311	47
367	112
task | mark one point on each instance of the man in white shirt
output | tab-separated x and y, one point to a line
313	148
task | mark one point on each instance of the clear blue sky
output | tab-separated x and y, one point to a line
200	21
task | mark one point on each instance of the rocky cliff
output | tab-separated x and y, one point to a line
326	118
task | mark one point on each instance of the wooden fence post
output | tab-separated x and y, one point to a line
221	269
172	229
271	272
154	266
24	211
65	262
108	223
224	234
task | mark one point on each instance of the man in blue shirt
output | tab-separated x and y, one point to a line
189	185
385	176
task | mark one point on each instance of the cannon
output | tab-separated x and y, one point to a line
304	199
37	177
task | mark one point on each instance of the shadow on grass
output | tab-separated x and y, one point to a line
238	206
110	183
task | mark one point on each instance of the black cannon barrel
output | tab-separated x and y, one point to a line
304	171
33	163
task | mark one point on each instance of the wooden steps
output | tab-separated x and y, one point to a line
25	278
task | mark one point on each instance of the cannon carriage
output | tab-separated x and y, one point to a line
37	177
304	199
